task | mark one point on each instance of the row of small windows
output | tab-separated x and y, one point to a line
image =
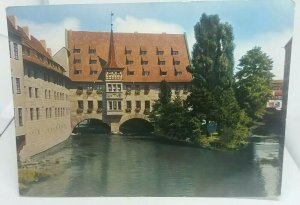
35	113
90	50
16	85
48	77
129	51
113	105
13	50
163	72
35	93
31	52
143	51
130	62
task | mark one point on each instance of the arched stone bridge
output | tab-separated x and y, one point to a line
113	123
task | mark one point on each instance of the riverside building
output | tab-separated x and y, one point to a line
112	77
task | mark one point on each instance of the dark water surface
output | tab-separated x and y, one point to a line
104	165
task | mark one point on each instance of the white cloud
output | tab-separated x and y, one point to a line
53	33
272	44
146	25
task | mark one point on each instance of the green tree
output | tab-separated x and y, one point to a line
212	96
171	118
253	82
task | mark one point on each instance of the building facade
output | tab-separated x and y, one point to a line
276	98
41	94
116	76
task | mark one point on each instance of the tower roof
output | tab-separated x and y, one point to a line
111	62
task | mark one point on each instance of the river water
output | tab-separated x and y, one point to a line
104	165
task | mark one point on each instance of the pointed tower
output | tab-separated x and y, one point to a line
113	82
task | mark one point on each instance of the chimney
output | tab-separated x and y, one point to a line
49	51
13	20
43	42
26	31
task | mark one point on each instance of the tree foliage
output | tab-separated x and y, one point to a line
172	119
253	82
212	96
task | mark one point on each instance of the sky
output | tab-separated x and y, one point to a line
268	23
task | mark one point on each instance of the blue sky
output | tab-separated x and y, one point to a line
265	23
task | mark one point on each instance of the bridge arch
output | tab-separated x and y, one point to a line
131	116
75	120
135	124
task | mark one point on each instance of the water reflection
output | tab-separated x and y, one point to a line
103	165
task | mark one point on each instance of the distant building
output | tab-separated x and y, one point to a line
276	99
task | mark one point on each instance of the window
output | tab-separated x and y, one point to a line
16	53
100	105
77	71
20	116
127	51
143	52
128	104
146	73
9	46
80	104
92	51
138	104
174	53
130	72
37	113
46	93
161	62
76	61
144	62
147	104
50	112
176	62
129	62
90	104
163	72
76	50
31	113
18	85
114	105
159	53
36	92
93	72
30	91
119	88
93	61
178	73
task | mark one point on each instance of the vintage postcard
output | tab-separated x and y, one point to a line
151	99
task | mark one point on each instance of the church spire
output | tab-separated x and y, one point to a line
111	62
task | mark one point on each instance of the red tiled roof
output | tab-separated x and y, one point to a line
134	42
